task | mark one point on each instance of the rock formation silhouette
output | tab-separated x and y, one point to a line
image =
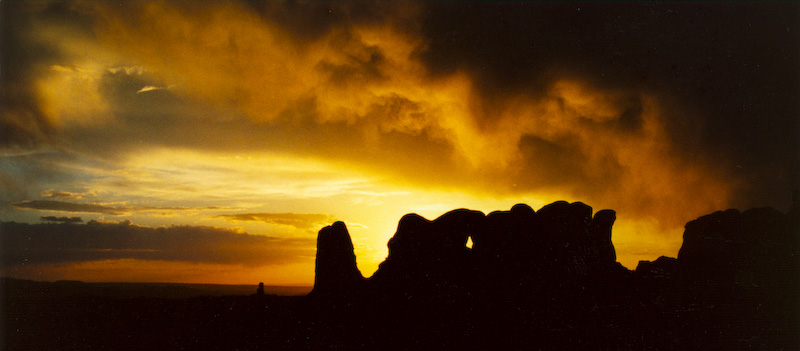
336	270
549	279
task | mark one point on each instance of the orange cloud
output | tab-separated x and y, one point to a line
603	146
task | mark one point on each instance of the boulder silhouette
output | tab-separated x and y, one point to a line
730	249
429	257
658	279
662	268
506	239
738	270
600	236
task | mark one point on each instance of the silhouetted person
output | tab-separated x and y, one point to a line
260	291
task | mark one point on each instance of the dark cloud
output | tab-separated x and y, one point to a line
26	57
361	67
309	21
62	206
731	67
62	219
552	163
21	122
23	175
305	221
59	194
64	243
631	118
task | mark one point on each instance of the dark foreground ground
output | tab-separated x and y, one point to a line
73	316
80	316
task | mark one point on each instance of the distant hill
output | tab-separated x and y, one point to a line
12	287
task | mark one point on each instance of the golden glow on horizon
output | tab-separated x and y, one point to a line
370	206
151	271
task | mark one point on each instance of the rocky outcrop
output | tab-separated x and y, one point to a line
336	270
562	242
429	258
729	249
514	248
600	236
502	248
549	279
662	268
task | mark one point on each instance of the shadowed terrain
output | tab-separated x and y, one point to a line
545	279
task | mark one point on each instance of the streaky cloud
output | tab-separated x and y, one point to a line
24	243
62	219
304	221
63	206
59	194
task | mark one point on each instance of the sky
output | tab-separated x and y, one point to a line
208	142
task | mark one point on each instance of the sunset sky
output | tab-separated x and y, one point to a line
208	142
